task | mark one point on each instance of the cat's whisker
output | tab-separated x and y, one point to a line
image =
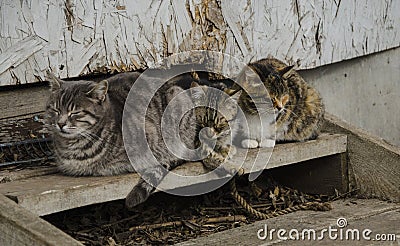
95	137
290	112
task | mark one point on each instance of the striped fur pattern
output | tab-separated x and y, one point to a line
198	128
188	130
218	124
297	106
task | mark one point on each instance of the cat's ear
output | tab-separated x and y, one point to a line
232	91
235	96
55	83
284	72
285	99
196	91
99	91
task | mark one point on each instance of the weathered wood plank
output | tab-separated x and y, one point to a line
373	163
378	216
23	101
13	175
53	193
138	34
18	226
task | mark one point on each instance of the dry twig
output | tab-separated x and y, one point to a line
233	218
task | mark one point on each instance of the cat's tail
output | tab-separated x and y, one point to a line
150	179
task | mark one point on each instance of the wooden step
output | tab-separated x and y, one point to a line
55	192
18	226
377	216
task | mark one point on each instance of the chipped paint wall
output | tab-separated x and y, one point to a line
79	37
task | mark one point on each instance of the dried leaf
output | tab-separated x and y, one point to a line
276	191
32	135
111	242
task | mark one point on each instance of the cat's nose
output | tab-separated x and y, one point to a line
61	124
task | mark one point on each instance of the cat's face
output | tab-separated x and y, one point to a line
274	98
216	111
278	91
75	107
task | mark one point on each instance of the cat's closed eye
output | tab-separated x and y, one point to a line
54	110
74	114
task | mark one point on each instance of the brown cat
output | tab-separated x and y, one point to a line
296	109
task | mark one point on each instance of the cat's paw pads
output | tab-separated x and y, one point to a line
249	143
137	196
267	143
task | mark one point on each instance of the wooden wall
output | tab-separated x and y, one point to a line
73	37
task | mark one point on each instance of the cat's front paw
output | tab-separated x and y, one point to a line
267	143
249	143
137	196
228	151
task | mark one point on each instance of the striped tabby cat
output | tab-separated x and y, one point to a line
297	106
85	120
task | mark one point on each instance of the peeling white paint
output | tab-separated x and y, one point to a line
79	37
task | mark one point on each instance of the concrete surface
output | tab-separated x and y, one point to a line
364	91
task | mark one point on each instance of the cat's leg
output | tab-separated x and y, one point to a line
143	189
223	155
249	143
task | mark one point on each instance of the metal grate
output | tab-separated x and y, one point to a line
26	152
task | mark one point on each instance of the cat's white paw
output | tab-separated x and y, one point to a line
249	143
267	143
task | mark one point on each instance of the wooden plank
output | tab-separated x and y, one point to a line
19	226
23	101
11	174
326	175
53	193
373	163
378	216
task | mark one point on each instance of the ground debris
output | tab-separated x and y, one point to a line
168	219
